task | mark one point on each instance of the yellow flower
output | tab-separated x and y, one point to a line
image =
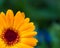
16	31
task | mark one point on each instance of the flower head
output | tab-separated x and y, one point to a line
16	31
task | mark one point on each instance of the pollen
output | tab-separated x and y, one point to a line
10	36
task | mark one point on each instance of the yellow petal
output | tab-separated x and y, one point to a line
25	46
21	45
28	34
2	45
19	18
9	18
2	20
3	15
29	27
7	46
1	28
29	41
26	21
15	46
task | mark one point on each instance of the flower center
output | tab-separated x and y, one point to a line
10	36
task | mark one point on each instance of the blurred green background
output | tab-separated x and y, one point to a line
46	16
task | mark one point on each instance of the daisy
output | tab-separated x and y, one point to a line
16	31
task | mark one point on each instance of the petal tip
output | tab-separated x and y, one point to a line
9	10
36	33
2	13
